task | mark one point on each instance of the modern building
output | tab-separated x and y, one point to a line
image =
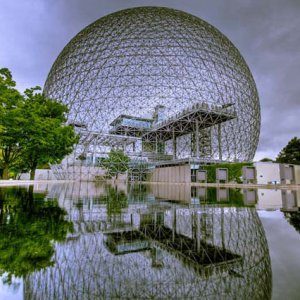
275	173
161	84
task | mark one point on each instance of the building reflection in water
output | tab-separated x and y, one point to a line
152	247
291	207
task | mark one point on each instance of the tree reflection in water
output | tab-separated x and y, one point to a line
290	208
28	227
155	250
294	219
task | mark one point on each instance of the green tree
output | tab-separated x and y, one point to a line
29	225
290	154
266	159
46	137
116	163
32	128
11	120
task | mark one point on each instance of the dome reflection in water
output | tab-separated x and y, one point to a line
129	242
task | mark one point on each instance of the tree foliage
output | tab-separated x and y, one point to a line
11	102
116	163
48	140
266	159
32	128
290	154
294	219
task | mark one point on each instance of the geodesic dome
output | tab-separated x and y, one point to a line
132	61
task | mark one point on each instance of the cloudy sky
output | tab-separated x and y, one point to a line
267	33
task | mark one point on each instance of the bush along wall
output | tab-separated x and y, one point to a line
235	171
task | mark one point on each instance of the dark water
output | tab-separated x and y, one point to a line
87	241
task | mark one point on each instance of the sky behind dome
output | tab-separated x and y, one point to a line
266	32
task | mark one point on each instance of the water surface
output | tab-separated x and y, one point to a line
101	241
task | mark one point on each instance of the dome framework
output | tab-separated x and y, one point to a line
172	83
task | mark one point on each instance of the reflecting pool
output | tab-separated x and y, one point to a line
104	241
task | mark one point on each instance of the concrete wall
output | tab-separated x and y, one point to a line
298	197
40	174
297	174
79	173
269	199
267	172
172	192
289	200
172	174
250	196
287	173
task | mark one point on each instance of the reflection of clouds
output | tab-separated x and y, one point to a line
11	292
274	214
85	267
284	243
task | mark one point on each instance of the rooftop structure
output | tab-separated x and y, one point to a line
130	125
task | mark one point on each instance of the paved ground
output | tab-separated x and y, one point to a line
28	182
232	185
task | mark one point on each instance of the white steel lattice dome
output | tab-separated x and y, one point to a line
131	61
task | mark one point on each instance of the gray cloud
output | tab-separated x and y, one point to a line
33	32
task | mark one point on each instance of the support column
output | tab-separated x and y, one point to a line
219	142
194	228
174	144
94	153
197	139
198	233
174	224
193	144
